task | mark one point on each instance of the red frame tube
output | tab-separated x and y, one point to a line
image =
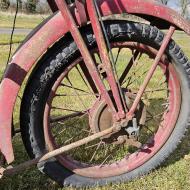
105	57
63	7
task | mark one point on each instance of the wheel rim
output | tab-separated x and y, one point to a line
152	144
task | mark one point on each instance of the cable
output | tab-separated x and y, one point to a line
12	33
111	57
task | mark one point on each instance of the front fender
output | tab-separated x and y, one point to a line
45	36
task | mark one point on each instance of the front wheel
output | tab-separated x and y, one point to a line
61	105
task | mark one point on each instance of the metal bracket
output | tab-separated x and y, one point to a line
80	12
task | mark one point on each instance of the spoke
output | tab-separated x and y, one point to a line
116	59
65	109
153	118
153	90
104	161
149	129
64	95
82	77
160	114
64	118
74	122
166	105
80	99
72	138
133	73
99	144
137	78
88	78
129	66
159	83
156	90
62	131
91	146
74	88
110	154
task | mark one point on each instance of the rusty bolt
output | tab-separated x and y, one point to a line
124	123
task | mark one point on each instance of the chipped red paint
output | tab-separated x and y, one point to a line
81	13
100	39
26	57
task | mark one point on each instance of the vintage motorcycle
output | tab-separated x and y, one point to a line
107	93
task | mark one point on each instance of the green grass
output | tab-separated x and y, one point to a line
5	39
174	174
23	20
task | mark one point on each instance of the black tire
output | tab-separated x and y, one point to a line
52	65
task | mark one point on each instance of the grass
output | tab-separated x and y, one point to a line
23	20
174	174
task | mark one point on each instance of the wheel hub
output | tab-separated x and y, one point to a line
101	119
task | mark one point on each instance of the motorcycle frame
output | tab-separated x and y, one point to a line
55	28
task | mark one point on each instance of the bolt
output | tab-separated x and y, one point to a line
121	140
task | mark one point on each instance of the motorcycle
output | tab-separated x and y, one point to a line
107	92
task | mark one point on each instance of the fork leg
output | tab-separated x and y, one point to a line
106	62
68	18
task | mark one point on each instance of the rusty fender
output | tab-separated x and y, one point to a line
47	34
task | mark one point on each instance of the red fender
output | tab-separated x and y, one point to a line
46	35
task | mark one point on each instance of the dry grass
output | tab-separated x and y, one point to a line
23	20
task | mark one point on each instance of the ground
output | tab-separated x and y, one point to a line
174	174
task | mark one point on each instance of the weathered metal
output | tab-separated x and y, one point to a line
158	14
105	59
80	12
127	69
27	55
86	54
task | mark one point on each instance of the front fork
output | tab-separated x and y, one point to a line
118	107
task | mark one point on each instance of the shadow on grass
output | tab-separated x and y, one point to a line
182	150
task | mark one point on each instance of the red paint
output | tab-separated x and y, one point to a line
105	57
85	53
52	31
81	13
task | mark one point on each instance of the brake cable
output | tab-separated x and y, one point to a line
12	32
111	57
